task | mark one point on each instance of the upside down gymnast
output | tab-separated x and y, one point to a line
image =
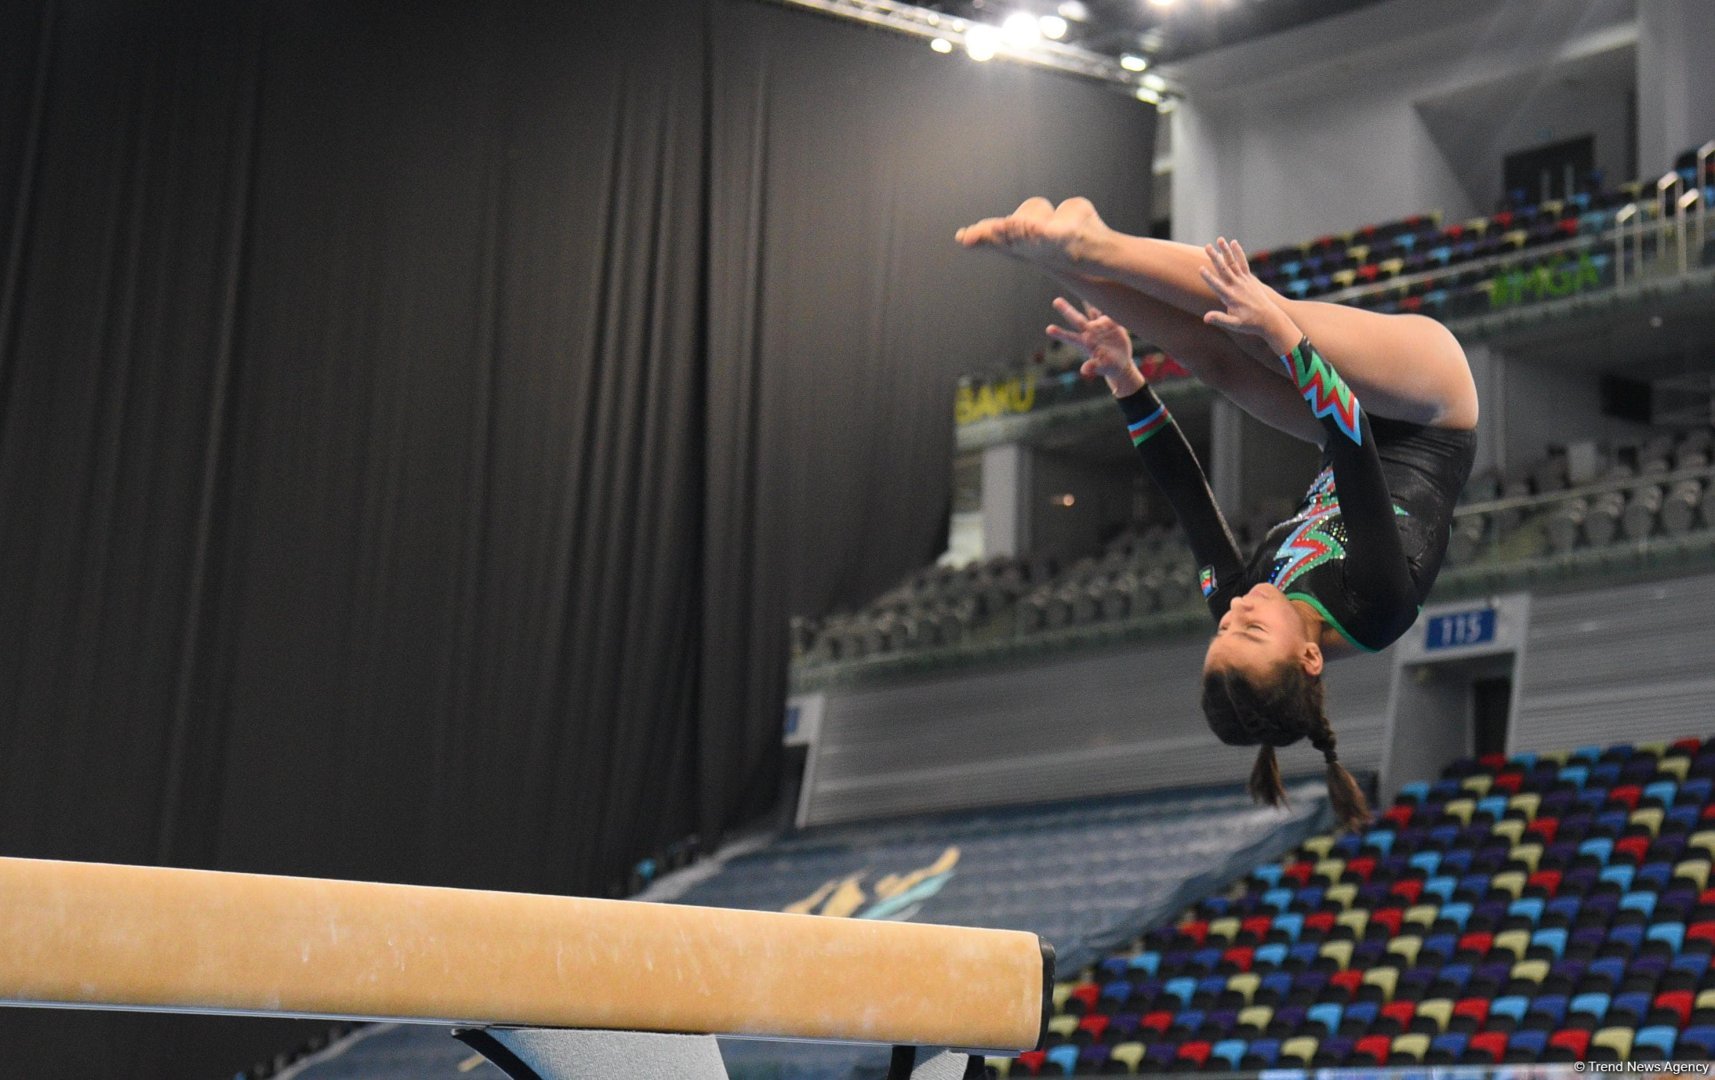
1389	398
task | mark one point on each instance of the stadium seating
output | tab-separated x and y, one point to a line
1542	908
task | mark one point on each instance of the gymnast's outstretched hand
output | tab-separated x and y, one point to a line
1103	341
1251	307
1038	232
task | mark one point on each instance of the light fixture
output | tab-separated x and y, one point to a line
1074	10
941	45
1053	27
1143	93
982	41
1021	30
1155	82
1133	62
1162	4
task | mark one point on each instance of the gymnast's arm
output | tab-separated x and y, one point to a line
1166	456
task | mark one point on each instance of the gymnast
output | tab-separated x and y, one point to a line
1350	570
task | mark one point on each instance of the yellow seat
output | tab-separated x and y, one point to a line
1356	918
1385	977
1129	1054
1343	895
1245	983
1478	785
1358	252
1695	869
1256	1016
1064	1025
1062	991
1511	882
1003	1066
1420	915
1529	802
1533	971
1225	929
1338	951
1658	749
1317	847
1407	946
1675	767
1302	1049
1437	1010
1515	238
1391	267
1649	817
1552	208
1411	1046
1343	278
1480	225
1704	840
1511	828
1529	854
1618	1039
1516	942
1460	809
1330	869
1705	1000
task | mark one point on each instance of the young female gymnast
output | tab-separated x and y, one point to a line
1350	570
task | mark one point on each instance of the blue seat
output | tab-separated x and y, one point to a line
1660	1036
1599	847
1525	759
1265	1050
1585	754
1620	874
1442	836
1064	1057
1577	775
1437	947
1441	888
1477	884
1426	861
1639	901
1311	896
1605	773
1451	1043
1118	990
1552	1006
1595	1005
1454	974
1633	1006
1671	932
1290	923
1663	790
1147	962
1613	821
1684	816
1230	1051
1552	938
1346	847
1512	1005
1457	912
1304	951
1694	964
1493	805
1529	907
1214	984
1327	1014
1456	863
1654	876
1380	839
1696	790
1532	1043
1700	1039
1267	875
1594	796
1363	1012
1278	899
1613	968
1189	1019
1207	959
1116	967
1565	906
1278	982
1414	792
1180	989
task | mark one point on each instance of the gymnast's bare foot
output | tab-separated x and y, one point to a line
1052	237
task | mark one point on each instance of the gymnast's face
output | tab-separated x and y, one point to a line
1261	633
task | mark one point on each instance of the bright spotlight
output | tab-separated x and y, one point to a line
982	41
941	45
1052	26
1074	10
1155	82
1021	30
1133	62
1146	94
1162	4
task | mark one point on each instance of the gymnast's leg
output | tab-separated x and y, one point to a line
1403	366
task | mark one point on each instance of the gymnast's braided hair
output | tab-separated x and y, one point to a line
1289	709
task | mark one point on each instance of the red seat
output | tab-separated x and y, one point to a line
1258	925
1298	873
1197	930
1477	941
1239	956
1493	762
1703	931
1708	812
1546	879
1388	917
1376	1046
1319	920
1677	1000
1158	1021
1095	1024
1688	746
1477	1008
1410	889
1031	1061
1402	1011
1349	981
1629	794
1400	815
1545	827
1507	782
1195	1051
1362	867
1635	846
1576	1041
1492	1043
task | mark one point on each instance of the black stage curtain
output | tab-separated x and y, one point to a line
417	422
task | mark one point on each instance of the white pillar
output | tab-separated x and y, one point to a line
1676	80
1006	500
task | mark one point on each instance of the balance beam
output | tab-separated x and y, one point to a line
91	935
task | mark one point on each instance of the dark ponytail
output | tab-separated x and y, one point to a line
1286	710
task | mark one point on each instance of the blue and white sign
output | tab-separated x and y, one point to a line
1458	629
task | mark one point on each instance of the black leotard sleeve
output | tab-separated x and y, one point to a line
1169	461
1375	567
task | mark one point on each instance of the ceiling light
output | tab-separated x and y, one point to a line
941	45
1155	82
1074	10
1052	26
1021	30
1133	62
982	41
1162	4
1146	94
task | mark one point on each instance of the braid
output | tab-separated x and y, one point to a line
1343	792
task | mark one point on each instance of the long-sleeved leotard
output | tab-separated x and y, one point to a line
1366	543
